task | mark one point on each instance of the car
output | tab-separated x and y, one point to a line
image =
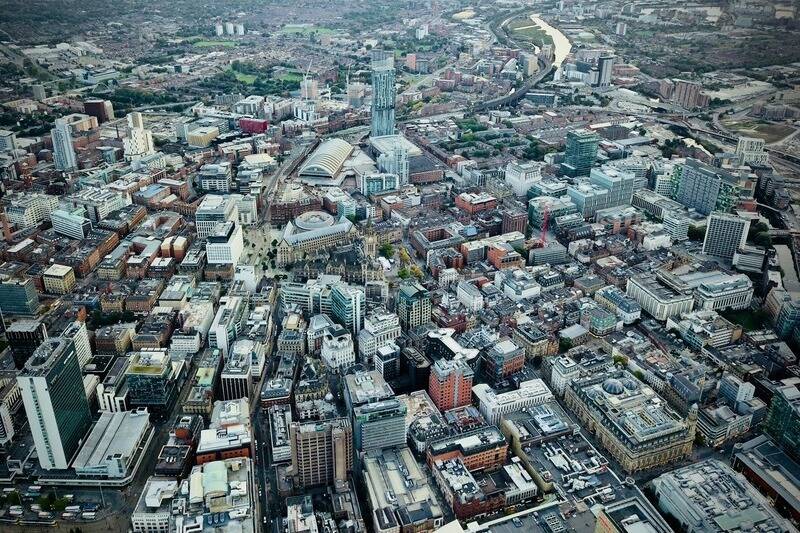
516	521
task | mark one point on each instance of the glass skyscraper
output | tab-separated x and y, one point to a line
580	153
55	401
383	96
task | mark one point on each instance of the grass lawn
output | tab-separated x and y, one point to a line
763	130
749	320
524	29
306	30
249	79
291	76
212	44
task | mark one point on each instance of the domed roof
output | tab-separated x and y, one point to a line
313	220
613	386
630	384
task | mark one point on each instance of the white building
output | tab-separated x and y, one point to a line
71	223
380	328
725	234
29	210
493	406
658	300
750	151
154	509
225	245
216	177
470	296
63	150
111	447
138	142
337	349
213	209
97	202
522	176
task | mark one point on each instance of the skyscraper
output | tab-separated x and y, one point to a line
63	151
55	402
581	152
139	141
724	235
383	96
706	188
604	66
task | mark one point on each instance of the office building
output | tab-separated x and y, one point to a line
18	297
58	279
631	421
63	150
413	305
657	299
399	495
379	425
153	380
783	420
707	189
450	383
225	245
750	151
580	153
605	65
725	235
337	349
311	233
212	210
71	223
348	306
322	452
709	497
687	94
102	110
383	96
153	511
29	209
494	406
138	141
98	202
380	329
55	402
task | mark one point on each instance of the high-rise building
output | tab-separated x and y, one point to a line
380	328
383	96
725	234
450	383
348	306
103	110
783	419
139	141
55	402
225	245
580	153
18	297
413	305
605	65
750	151
705	188
63	151
379	425
322	452
687	94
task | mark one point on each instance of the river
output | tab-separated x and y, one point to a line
561	44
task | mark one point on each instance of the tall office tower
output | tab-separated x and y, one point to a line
725	234
706	188
322	452
55	402
139	141
63	151
605	64
450	383
413	305
383	96
580	153
395	161
750	151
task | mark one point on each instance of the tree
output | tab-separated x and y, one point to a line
763	239
404	257
403	273
387	250
274	243
620	360
417	272
696	234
